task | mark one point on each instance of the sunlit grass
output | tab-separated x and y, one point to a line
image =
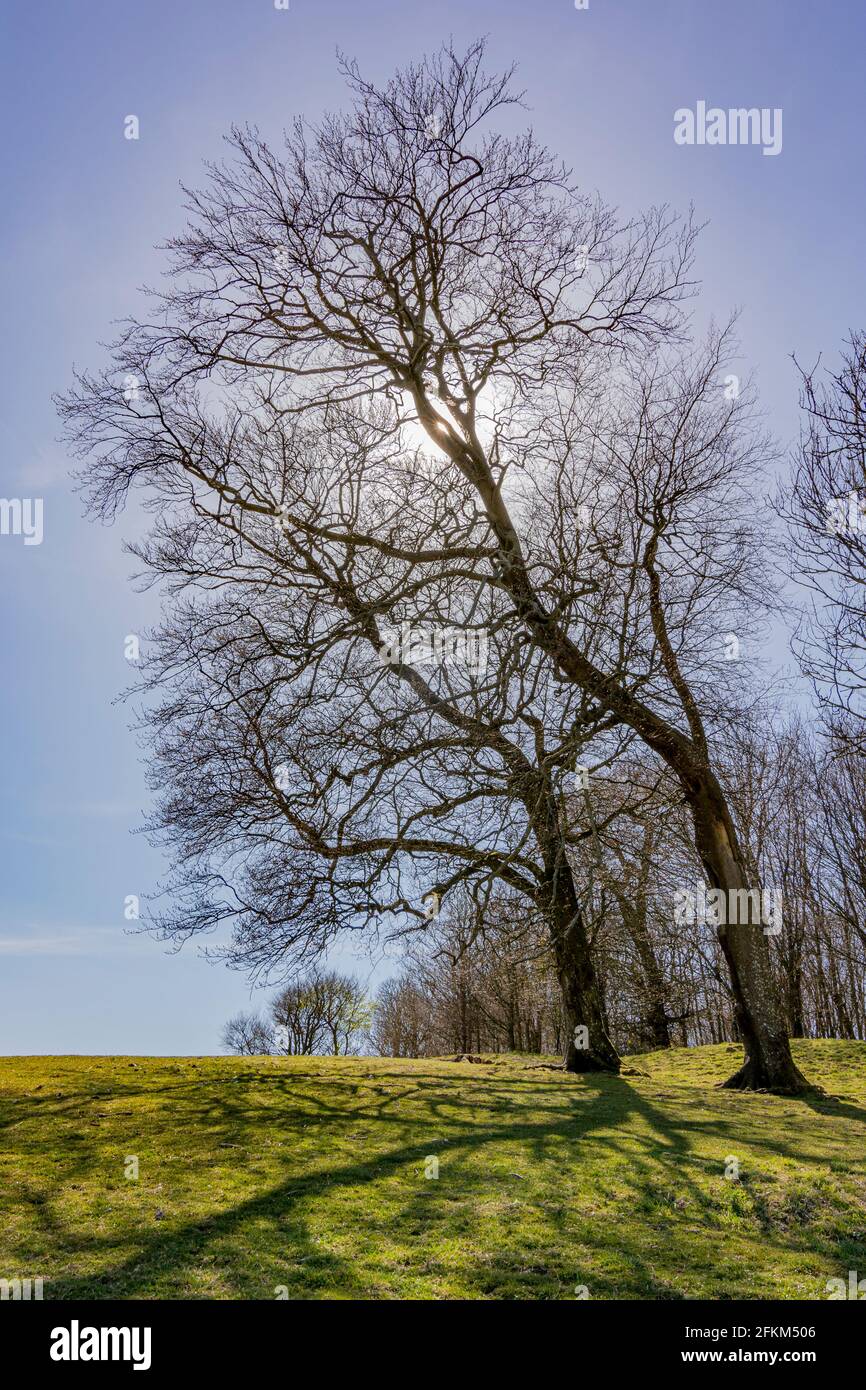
309	1175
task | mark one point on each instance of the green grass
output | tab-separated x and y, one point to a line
309	1173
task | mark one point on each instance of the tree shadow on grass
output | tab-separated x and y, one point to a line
248	1244
839	1107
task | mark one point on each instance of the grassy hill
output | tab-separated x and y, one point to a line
309	1173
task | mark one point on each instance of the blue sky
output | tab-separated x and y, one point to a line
83	209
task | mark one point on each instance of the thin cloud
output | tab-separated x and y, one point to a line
78	941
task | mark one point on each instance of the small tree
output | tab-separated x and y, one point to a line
323	1012
249	1035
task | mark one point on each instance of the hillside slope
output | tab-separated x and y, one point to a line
259	1177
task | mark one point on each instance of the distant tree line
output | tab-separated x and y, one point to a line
490	985
480	980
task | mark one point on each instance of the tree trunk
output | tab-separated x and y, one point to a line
582	1004
657	1030
656	1026
796	1016
768	1062
760	1018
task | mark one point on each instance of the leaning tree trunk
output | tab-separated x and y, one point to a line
760	1017
634	918
587	1045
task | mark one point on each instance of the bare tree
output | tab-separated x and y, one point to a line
249	1035
474	986
825	505
581	501
346	1011
839	837
402	1024
322	1012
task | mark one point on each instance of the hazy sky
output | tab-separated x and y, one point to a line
83	210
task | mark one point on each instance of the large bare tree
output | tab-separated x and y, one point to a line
577	495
